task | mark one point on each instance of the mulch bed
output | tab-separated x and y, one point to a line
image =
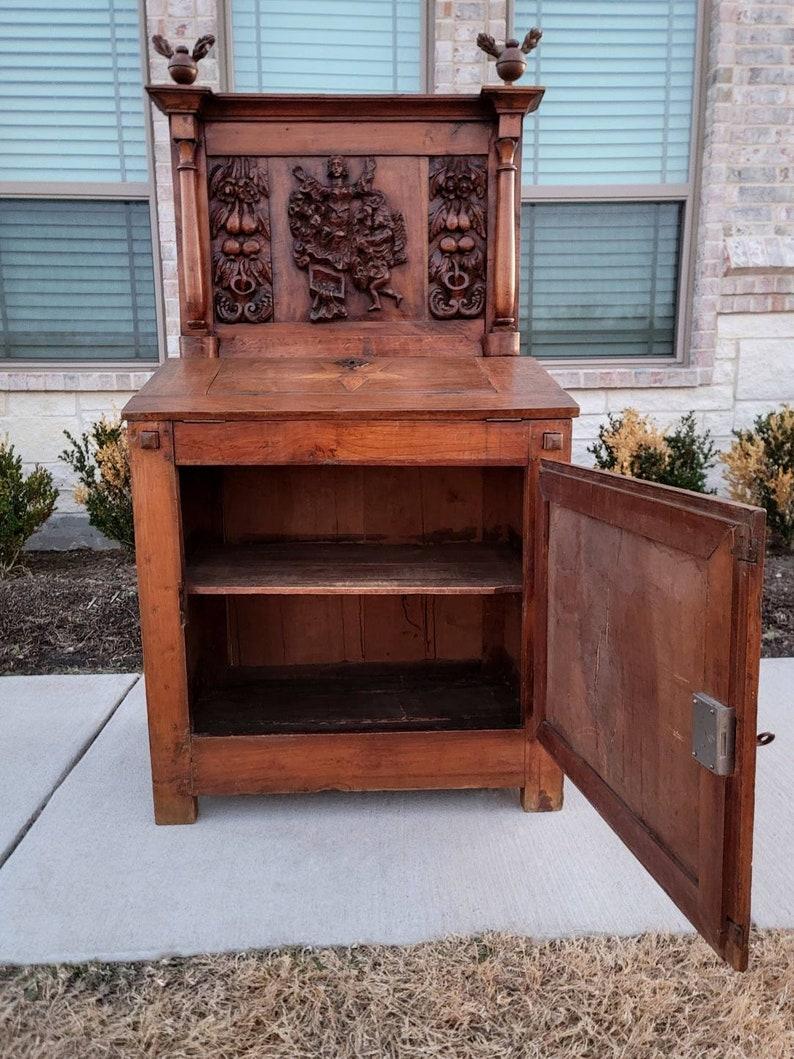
778	607
492	997
71	612
77	612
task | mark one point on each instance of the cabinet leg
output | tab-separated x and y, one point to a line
171	807
542	790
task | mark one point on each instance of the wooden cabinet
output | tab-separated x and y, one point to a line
364	559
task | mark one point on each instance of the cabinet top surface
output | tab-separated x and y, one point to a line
351	388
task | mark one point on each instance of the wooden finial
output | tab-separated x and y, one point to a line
510	61
182	66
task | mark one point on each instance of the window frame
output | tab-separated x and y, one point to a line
103	191
687	194
226	45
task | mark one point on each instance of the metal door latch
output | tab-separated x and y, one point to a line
713	734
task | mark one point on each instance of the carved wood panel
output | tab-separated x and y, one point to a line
344	230
239	208
457	236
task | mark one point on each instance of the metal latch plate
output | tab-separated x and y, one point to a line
713	734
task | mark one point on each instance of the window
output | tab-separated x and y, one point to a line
76	270
599	278
345	46
607	185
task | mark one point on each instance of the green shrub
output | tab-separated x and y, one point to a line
100	459
633	445
761	470
25	503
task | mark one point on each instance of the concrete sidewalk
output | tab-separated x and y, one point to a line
93	878
46	724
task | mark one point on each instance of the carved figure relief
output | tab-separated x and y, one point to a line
342	229
458	208
240	229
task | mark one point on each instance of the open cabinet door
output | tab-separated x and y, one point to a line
647	599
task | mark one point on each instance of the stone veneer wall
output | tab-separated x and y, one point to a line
741	355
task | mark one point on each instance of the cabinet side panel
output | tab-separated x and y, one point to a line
158	549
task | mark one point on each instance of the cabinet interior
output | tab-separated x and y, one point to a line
353	598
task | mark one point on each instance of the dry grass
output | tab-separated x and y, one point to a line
494	996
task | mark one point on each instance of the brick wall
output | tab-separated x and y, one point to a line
741	357
460	66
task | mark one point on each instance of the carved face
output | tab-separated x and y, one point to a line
242	188
337	168
457	186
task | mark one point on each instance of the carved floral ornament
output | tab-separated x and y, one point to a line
344	229
240	229
457	230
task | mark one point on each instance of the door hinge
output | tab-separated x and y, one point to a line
746	549
182	606
713	734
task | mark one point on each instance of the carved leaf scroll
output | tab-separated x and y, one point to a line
240	229
344	229
457	233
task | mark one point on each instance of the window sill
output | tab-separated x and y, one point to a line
127	378
120	377
592	376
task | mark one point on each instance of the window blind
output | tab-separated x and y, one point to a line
76	280
318	46
599	279
619	79
71	101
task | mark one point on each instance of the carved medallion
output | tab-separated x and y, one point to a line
240	229
458	208
342	229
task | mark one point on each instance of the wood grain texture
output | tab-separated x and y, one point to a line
354	569
374	443
424	696
283	138
357	761
543	782
359	338
225	106
640	610
158	536
352	389
192	225
369	504
326	629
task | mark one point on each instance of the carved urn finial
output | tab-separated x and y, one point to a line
510	61
182	66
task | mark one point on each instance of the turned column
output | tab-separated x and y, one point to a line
505	250
502	337
184	132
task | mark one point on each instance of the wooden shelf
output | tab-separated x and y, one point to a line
367	569
424	696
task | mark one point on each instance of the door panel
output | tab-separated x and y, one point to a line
645	596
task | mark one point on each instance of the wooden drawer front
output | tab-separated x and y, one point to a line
380	442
